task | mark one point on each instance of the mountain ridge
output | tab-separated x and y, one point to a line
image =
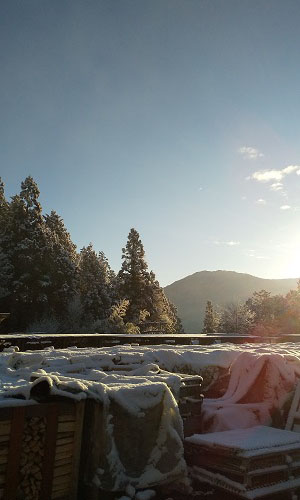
191	293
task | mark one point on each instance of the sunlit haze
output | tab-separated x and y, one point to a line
177	117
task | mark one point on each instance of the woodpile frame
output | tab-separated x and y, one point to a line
40	450
246	473
190	403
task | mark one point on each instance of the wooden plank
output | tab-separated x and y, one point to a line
65	435
64	480
49	453
6	413
66	427
63	441
61	493
5	428
14	453
63	461
293	409
66	409
62	470
77	448
63	450
296	428
66	418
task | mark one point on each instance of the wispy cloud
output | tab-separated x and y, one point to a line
228	243
274	175
261	201
252	254
249	153
276	186
232	243
285	207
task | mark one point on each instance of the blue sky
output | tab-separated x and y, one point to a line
178	118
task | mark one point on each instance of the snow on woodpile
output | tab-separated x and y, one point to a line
97	364
136	404
250	442
261	378
141	439
259	385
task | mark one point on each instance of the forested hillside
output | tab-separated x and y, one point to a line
47	285
191	294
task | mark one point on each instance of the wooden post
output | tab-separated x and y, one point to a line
14	453
49	452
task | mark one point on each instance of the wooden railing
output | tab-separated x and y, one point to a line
60	341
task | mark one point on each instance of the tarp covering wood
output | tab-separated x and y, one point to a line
258	386
139	438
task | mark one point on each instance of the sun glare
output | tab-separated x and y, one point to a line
290	265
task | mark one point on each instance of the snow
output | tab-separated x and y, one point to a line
259	382
121	365
145	495
130	490
244	440
216	479
166	430
178	359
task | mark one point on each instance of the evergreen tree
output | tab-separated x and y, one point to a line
95	284
140	287
57	227
273	314
62	264
6	269
26	249
237	318
134	279
210	324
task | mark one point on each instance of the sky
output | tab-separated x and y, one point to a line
179	118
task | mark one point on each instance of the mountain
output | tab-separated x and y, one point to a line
190	294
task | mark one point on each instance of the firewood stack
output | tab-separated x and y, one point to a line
5	426
40	450
31	459
247	463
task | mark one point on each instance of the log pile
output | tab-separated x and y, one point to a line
5	427
247	463
40	451
31	460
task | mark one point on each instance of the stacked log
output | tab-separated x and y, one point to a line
31	459
5	427
40	451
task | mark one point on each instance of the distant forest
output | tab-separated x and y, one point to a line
262	314
48	286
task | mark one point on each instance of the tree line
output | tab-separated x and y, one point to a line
47	285
261	314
